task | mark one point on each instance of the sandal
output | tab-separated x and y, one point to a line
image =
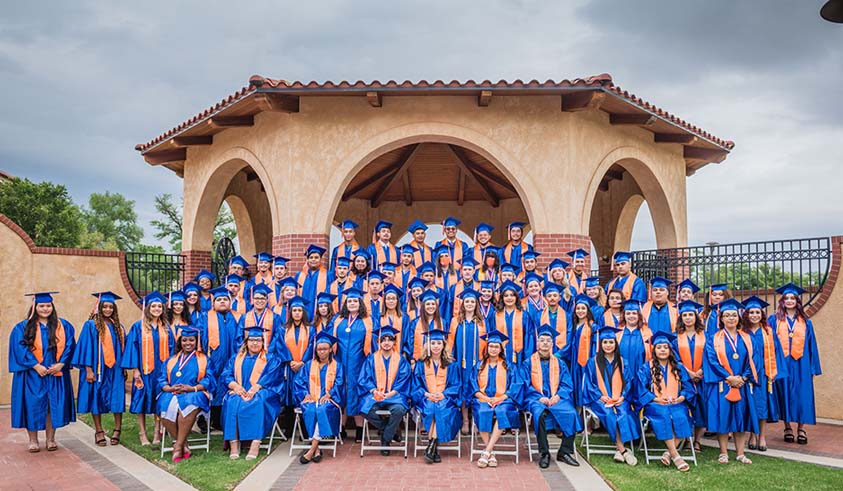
493	462
33	447
762	447
788	435
665	460
743	459
802	437
52	446
751	443
101	442
629	457
483	461
697	447
115	436
723	458
680	464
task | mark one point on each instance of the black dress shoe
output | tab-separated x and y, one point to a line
318	457
436	457
544	461
358	435
567	458
343	435
303	460
397	438
385	453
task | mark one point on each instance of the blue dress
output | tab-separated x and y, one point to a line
368	381
796	392
764	393
667	420
143	400
107	394
722	415
563	415
619	420
189	376
350	355
291	375
577	370
446	413
699	406
252	419
466	353
33	395
506	412
326	417
220	355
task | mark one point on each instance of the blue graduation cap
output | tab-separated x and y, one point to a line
205	274
622	257
492	250
233	278
790	289
44	297
557	263
441	250
279	260
547	330
578	254
388	266
325	297
324	337
381	225
451	222
408	249
470	293
426	267
718	287
361	252
550	286
176	296
690	285
437	335
297	301
592	281
510	285
191	286
313	248
374	275
754	302
288	281
263	256
105	297
496	337
513	225
189	332
391	288
261	289
417	225
429	296
239	260
530	277
483	227
255	332
688	306
663	337
531	254
487	285
417	283
153	297
659	282
631	305
608	332
220	290
346	224
509	268
343	262
387	332
468	262
730	304
584	299
353	293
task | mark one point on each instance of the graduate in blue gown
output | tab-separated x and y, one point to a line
297	337
768	357
729	374
384	385
690	350
218	339
148	346
686	290
667	395
381	250
556	316
193	301
262	316
659	314
348	245
429	319
632	286
436	394
467	347
320	393
498	391
609	390
511	320
98	355
513	251
533	302
205	280
583	342
40	350
253	382
595	292
313	279
710	313
632	331
802	362
186	381
548	395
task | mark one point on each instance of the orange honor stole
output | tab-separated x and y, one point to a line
617	384
500	379
792	341
314	382
385	380
257	370
517	336
61	344
734	394
436	379
537	378
694	363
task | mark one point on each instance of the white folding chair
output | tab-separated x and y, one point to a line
329	443
657	452
196	443
504	446
370	443
276	429
422	440
533	446
591	448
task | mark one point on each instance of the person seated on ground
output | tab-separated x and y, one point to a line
384	385
319	392
667	395
185	382
606	391
254	381
436	394
548	395
497	392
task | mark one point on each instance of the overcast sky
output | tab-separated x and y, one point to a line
82	82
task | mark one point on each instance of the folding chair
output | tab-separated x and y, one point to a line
594	448
324	444
197	443
645	423
533	446
368	443
422	440
509	448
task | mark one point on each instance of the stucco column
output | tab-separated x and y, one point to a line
293	247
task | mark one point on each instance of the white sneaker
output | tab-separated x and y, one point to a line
629	458
618	457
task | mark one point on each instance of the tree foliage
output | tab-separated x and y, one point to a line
169	226
111	222
43	210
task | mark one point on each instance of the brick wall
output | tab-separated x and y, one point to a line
195	261
557	246
293	246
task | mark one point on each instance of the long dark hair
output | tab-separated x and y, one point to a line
747	325
398	309
437	318
501	359
362	313
781	311
500	305
317	319
727	294
100	319
184	316
32	328
698	324
304	321
617	363
361	274
656	370
497	264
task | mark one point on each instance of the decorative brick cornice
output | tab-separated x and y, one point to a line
831	280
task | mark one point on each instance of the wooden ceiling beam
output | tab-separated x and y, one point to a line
682	138
583	101
409	157
485	190
277	102
484	98
632	119
165	156
231	121
375	99
408	192
187	141
705	154
368	182
461	189
491	177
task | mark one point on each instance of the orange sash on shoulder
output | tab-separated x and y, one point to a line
297	350
257	370
578	282
61	344
213	330
561	325
770	368
517	335
148	349
314	382
734	394
617	384
694	363
797	348
321	279
201	361
627	286
384	379
267	323
381	255
500	379
537	378
584	346
670	387
673	313
436	379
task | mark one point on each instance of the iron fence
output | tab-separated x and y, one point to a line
748	268
148	271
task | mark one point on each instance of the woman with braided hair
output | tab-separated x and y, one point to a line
98	355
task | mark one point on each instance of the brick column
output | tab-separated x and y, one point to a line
557	246
293	246
194	261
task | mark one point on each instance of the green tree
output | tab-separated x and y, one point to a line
169	226
44	210
111	222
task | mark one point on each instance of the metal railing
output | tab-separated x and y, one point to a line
149	271
748	268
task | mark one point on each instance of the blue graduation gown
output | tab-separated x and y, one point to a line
515	256
368	381
632	350
507	411
699	406
528	341
639	289
252	419
563	415
723	416
143	400
228	346
342	250
291	375
766	401
565	353
620	419
276	342
408	338
577	371
659	320
796	392
309	289
466	352
446	413
325	416
33	395
189	376
350	355
107	394
205	303
667	420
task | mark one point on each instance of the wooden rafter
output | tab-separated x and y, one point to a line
683	138
632	119
485	190
491	177
187	141
231	121
389	171
166	156
583	101
461	189
406	161
408	192
277	102
705	154
484	98
375	99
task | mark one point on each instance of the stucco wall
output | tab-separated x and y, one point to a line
826	320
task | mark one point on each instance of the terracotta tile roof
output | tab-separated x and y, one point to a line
603	82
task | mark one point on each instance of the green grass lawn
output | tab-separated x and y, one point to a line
212	471
765	473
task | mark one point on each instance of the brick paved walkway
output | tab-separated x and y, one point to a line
825	440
